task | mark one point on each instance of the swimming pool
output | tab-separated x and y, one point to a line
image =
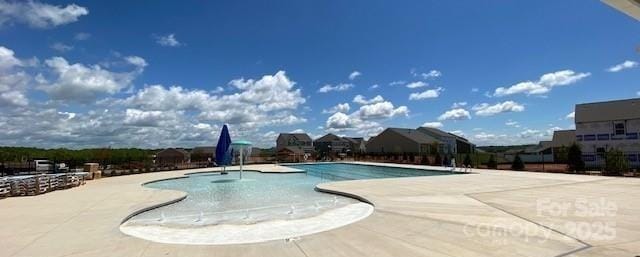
275	205
347	171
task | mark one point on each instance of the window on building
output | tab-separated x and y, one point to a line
619	128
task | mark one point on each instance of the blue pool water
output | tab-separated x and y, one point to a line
345	171
222	199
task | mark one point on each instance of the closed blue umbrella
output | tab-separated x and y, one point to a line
223	155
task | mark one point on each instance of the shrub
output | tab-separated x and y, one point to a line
492	164
517	163
574	158
616	163
561	155
467	161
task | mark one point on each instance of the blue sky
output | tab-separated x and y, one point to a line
123	73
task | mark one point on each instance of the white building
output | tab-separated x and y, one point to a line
608	125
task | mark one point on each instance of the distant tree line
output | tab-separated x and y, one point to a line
74	158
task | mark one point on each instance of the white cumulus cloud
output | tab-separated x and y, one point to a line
84	83
148	118
365	120
511	123
340	87
434	124
61	47
340	120
396	83
486	109
623	66
168	40
343	107
417	84
455	114
543	85
360	99
427	94
381	110
39	15
458	105
571	116
13	80
354	75
426	75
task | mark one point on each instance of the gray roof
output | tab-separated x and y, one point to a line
297	136
460	138
354	140
563	138
543	145
414	135
546	144
204	149
328	138
179	150
436	132
440	133
606	111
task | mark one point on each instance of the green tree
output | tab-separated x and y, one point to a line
467	161
616	163
574	158
561	155
517	163
492	164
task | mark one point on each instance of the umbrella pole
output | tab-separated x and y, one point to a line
241	163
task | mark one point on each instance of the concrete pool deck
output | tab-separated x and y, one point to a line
487	213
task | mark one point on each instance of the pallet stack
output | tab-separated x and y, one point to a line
42	183
5	187
39	184
18	186
24	185
53	181
69	180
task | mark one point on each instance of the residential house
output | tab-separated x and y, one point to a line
546	151
402	140
562	140
542	152
332	143
452	143
294	146
602	126
358	144
171	156
203	154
